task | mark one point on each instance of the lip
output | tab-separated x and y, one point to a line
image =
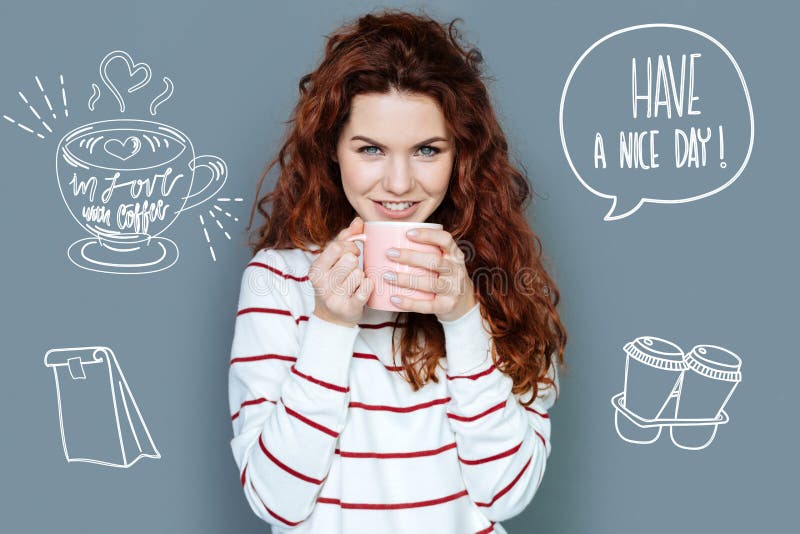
396	214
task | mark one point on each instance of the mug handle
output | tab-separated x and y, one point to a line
219	174
357	237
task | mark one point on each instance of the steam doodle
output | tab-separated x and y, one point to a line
99	419
657	371
677	126
133	69
126	180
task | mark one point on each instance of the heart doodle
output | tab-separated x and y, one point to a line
133	69
120	149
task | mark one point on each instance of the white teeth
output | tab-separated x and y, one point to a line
397	206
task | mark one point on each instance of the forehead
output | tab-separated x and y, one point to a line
395	117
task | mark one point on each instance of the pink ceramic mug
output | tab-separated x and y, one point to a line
378	237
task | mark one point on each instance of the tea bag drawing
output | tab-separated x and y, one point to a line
100	420
666	387
126	180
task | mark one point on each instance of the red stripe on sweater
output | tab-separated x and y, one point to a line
263	357
274	311
472	377
399	409
273	514
487	530
285	467
334	387
378	325
387	455
277	271
509	452
541	437
309	422
540	414
249	403
244	474
365	356
475	417
507	488
305	279
395	506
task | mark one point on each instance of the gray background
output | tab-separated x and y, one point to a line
716	271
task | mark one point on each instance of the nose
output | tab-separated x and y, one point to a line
399	177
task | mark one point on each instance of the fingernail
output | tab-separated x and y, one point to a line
395	300
393	252
390	276
412	233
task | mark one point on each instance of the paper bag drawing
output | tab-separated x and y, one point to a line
100	420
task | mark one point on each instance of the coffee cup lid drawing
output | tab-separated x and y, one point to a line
714	362
656	352
126	180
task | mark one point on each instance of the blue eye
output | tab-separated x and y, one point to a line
433	152
427	150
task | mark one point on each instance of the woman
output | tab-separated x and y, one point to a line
332	433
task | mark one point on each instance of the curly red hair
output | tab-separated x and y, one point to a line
484	209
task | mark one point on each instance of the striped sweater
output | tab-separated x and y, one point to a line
329	437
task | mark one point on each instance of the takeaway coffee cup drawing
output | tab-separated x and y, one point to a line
688	395
711	376
125	181
653	369
378	237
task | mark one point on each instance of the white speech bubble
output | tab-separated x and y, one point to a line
621	208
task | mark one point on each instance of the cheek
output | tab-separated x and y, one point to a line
356	175
438	178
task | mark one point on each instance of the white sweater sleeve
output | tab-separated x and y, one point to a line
502	446
288	396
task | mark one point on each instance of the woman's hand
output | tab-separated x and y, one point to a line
454	293
340	288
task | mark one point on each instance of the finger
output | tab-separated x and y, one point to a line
325	261
441	238
364	290
349	246
431	261
353	228
431	284
352	282
345	246
342	269
414	305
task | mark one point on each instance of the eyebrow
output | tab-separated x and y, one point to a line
373	142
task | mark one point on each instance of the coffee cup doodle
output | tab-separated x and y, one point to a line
664	386
126	180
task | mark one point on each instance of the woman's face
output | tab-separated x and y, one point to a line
395	148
